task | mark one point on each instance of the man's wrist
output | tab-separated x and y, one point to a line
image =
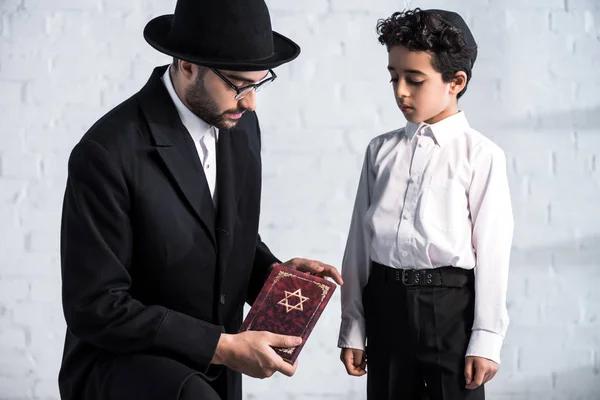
222	349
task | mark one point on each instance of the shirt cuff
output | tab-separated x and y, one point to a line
352	334
485	344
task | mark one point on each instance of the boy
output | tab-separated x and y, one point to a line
426	262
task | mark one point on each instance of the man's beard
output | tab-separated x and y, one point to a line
201	104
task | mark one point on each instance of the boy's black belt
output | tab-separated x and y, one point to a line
436	277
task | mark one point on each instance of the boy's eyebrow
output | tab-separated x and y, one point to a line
408	71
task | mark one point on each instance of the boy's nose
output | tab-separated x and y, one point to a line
401	89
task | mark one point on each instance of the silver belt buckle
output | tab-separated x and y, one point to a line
404	282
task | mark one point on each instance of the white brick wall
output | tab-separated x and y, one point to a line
64	63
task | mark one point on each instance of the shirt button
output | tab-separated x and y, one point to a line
404	253
223	298
406	215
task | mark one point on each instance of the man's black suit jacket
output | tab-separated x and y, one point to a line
148	265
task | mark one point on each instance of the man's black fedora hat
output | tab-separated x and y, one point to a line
226	34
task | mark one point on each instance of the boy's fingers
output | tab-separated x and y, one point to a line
489	376
357	357
478	379
469	371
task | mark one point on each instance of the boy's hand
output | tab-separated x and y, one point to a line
355	361
479	370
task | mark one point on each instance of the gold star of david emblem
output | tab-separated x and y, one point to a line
288	306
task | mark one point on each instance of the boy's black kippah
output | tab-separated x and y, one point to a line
455	20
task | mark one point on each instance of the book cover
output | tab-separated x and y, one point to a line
290	303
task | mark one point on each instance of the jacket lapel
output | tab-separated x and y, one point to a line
232	156
176	148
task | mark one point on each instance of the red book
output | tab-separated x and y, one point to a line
290	303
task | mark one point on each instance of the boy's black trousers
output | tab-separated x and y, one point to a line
417	336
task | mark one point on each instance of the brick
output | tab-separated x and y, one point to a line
11	240
533	4
9	217
524	312
92	5
14	142
582	5
46	290
339	114
38	316
26	25
582	383
16	364
42	216
61	132
537	359
572	22
44	194
42	241
12	339
19	165
39	265
13	290
46	389
12	92
542	188
16	388
41	92
54	166
41	341
526	384
9	6
298	7
519	21
325	141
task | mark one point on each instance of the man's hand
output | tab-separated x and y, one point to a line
355	361
251	354
479	370
315	268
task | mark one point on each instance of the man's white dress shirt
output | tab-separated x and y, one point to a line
204	136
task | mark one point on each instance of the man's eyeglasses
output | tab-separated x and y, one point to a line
242	91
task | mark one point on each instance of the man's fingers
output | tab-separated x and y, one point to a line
318	268
327	270
468	371
284	367
334	274
284	340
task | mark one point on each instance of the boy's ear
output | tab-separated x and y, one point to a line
458	83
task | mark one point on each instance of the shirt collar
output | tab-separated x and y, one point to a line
195	126
441	131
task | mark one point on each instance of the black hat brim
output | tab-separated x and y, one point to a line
157	31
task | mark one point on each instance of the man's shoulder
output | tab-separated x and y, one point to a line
119	127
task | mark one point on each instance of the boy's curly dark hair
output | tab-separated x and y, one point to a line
421	30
